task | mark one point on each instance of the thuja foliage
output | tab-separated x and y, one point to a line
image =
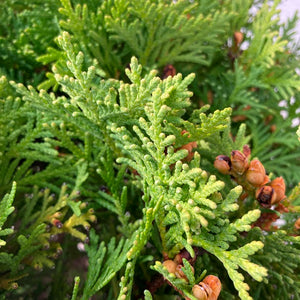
112	115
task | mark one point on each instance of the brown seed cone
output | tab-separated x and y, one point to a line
184	254
169	70
210	97
265	196
273	128
239	118
199	292
239	162
297	224
189	147
238	37
279	187
223	164
256	173
215	285
266	220
170	266
57	223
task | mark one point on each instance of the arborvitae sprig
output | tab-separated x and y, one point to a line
21	144
233	259
281	256
6	209
131	145
127	281
44	221
277	154
76	287
146	153
27	28
104	262
113	197
158	28
180	193
150	31
185	287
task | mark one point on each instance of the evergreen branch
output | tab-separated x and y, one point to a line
127	281
234	259
75	289
179	283
100	272
28	245
281	257
6	209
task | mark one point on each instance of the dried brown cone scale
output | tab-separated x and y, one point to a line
189	147
246	150
215	284
266	196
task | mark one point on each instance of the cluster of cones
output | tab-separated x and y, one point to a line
208	289
252	176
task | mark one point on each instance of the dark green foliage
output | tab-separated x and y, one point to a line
93	128
103	266
27	28
281	256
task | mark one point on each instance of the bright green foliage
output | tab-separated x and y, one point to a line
75	289
6	209
216	240
94	128
147	295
